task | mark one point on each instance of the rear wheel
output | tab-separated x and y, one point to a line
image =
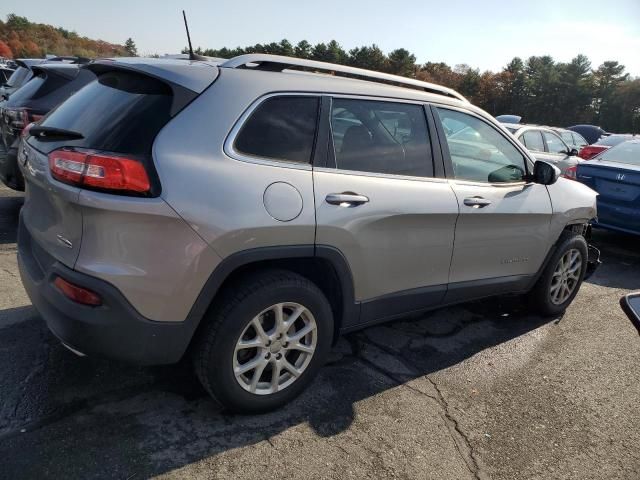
264	341
561	279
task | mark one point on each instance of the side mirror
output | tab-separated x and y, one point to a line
572	152
631	306
544	173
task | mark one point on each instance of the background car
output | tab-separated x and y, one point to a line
572	139
5	74
51	85
546	145
23	73
615	175
604	143
591	133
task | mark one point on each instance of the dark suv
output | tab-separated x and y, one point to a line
51	84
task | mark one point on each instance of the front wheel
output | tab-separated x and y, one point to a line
264	341
561	279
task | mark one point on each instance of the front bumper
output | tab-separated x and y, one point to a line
114	329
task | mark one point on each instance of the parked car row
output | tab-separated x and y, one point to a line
546	144
247	212
35	88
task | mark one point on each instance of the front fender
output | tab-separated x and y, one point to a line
572	203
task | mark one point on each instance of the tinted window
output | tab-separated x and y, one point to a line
381	137
282	128
37	87
120	112
628	152
554	143
533	140
489	157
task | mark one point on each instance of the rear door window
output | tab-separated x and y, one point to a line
567	137
119	112
533	140
381	137
282	128
554	143
578	140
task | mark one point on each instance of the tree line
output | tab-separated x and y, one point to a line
539	89
20	38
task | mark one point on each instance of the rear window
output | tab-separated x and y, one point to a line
282	128
18	77
612	140
628	152
119	112
37	87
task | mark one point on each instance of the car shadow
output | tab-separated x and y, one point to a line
66	414
620	256
10	206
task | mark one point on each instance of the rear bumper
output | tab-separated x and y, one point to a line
618	217
114	329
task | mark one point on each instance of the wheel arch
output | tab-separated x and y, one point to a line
325	266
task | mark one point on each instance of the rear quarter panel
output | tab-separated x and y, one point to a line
221	197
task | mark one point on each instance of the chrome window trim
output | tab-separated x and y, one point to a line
229	143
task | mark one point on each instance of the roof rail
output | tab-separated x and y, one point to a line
278	63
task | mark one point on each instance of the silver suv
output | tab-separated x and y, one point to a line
249	212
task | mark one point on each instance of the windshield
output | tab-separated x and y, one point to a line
627	152
19	77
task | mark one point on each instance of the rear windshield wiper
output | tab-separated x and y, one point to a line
45	133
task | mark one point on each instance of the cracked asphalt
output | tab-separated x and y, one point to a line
483	390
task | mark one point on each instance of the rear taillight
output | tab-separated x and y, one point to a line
76	293
19	118
591	151
571	173
99	170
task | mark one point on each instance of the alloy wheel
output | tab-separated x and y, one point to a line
275	348
566	276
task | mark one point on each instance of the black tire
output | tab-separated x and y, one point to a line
236	306
540	297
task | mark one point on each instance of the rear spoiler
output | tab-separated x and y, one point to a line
67	72
184	88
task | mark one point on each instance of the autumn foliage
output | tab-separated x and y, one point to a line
20	38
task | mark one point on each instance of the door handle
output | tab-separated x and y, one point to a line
476	202
346	199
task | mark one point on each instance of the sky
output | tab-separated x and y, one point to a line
484	34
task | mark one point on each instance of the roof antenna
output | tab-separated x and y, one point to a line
192	56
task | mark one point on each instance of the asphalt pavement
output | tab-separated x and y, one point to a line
478	391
